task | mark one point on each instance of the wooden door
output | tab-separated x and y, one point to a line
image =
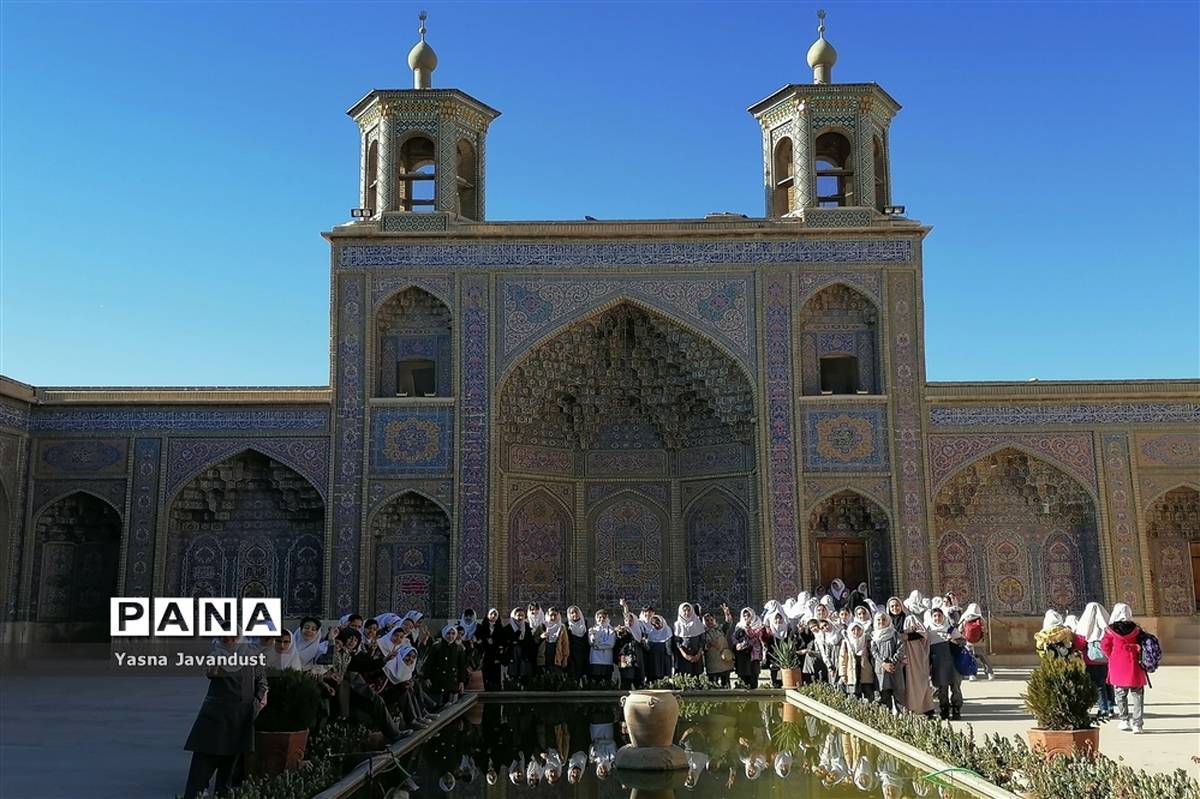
1196	572
845	558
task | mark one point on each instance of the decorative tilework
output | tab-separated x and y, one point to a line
1169	449
648	253
78	457
143	517
188	456
902	296
718	551
111	491
440	491
817	488
541	460
1122	527
626	462
530	309
780	435
716	459
416	223
348	443
384	286
411	441
540	530
739	487
1072	451
14	416
473	446
627	546
1152	486
561	490
1095	413
598	492
838	217
845	439
101	419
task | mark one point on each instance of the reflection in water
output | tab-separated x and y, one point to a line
736	749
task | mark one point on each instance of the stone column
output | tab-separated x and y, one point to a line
385	194
803	168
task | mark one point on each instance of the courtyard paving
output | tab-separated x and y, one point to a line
1172	733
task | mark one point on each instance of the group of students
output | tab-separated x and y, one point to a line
1117	654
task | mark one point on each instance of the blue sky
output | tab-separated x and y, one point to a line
167	167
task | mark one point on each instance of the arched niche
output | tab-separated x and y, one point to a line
540	531
1018	534
1173	531
413	346
248	526
839	343
77	544
410	556
717	531
851	540
628	558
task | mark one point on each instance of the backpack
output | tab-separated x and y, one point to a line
973	631
964	662
1151	652
1095	653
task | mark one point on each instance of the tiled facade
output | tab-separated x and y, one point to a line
450	499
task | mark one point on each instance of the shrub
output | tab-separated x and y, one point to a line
787	654
293	701
1060	695
684	682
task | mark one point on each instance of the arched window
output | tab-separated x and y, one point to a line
881	178
783	183
372	183
413	343
835	171
416	181
468	194
839	348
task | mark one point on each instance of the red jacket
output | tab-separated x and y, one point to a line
1124	658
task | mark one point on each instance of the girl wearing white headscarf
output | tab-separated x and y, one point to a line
401	690
689	641
1122	645
520	668
973	632
828	643
915	604
887	653
491	634
942	670
446	666
281	654
747	640
658	656
578	647
855	670
556	650
308	643
1055	639
601	638
1089	631
776	632
837	589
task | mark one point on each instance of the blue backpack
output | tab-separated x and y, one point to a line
964	662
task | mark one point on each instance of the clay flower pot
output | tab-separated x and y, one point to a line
791	677
275	752
1064	742
475	680
650	717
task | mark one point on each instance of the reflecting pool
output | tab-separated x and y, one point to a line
736	748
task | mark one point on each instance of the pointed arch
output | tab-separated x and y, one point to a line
1085	479
1172	525
717	542
1020	507
76	560
410	556
540	530
628	533
847	525
412	329
231	526
839	342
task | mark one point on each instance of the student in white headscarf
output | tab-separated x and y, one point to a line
974	633
942	669
1055	639
689	640
1122	645
401	689
601	638
555	652
281	654
579	648
887	653
839	592
308	643
658	656
1089	631
747	641
915	604
918	692
518	635
856	672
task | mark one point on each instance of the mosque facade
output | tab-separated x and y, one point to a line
717	409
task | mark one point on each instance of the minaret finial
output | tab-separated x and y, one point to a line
821	56
421	59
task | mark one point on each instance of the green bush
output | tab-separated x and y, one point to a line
1009	762
684	682
1060	695
293	701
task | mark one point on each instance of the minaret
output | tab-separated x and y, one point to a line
422	150
825	145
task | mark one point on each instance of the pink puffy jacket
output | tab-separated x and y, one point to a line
1124	658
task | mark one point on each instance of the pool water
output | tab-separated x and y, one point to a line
736	749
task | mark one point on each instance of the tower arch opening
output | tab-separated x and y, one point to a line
839	343
783	179
413	342
851	541
833	155
416	178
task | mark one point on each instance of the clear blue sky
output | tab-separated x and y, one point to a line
167	167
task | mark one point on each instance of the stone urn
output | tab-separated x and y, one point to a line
650	717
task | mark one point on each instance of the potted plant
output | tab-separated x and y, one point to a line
1060	695
281	729
787	657
474	668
